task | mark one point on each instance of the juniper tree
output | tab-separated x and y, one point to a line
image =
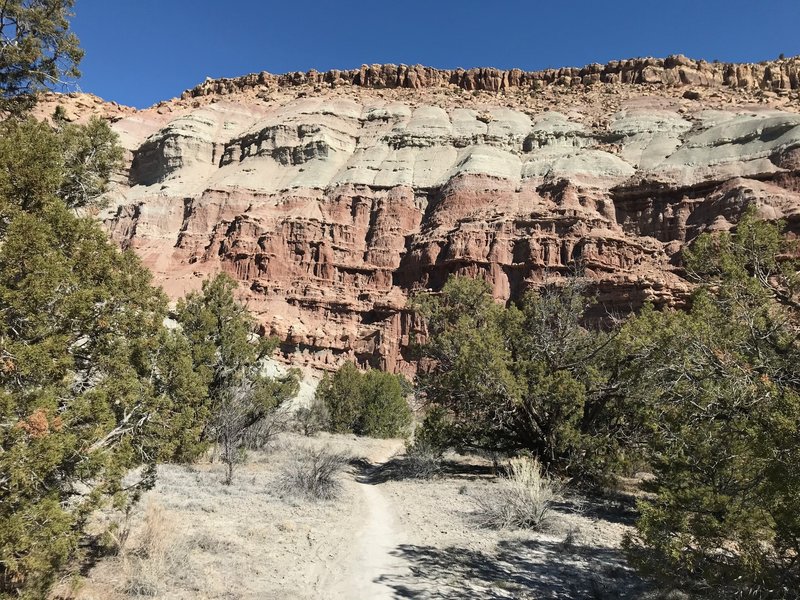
228	357
718	391
371	403
37	49
471	378
70	162
530	377
91	384
340	393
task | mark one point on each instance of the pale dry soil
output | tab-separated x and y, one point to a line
385	536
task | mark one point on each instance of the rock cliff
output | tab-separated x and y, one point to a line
334	196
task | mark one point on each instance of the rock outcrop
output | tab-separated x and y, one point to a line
334	196
674	70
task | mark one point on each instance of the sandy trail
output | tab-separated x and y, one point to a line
249	542
366	559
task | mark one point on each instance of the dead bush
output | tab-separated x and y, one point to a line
314	474
112	540
310	420
262	435
422	461
211	544
523	498
244	422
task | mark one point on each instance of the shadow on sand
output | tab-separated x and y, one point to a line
519	568
522	569
397	469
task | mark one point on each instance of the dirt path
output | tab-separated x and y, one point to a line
248	541
366	559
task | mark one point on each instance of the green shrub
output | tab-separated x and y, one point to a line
242	402
341	395
92	385
718	390
371	404
384	411
527	378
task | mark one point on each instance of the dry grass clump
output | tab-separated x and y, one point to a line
313	473
160	557
523	498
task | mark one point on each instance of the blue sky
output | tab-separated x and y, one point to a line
141	51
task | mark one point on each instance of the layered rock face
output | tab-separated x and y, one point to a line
334	197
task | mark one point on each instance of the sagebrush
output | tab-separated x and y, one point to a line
314	474
422	461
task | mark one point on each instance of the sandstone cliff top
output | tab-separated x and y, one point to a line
593	90
676	70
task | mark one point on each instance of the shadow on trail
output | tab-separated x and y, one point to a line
522	569
615	508
517	569
398	469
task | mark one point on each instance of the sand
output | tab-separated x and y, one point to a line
191	537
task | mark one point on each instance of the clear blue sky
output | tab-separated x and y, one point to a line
141	51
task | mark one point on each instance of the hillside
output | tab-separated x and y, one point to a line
333	196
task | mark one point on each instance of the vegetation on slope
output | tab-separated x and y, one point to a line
93	386
708	400
527	377
227	359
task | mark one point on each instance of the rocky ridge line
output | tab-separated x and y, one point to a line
677	70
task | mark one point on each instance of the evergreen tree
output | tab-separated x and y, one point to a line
86	393
718	391
384	410
37	50
521	378
371	403
568	413
70	162
92	385
471	376
228	356
89	155
341	395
